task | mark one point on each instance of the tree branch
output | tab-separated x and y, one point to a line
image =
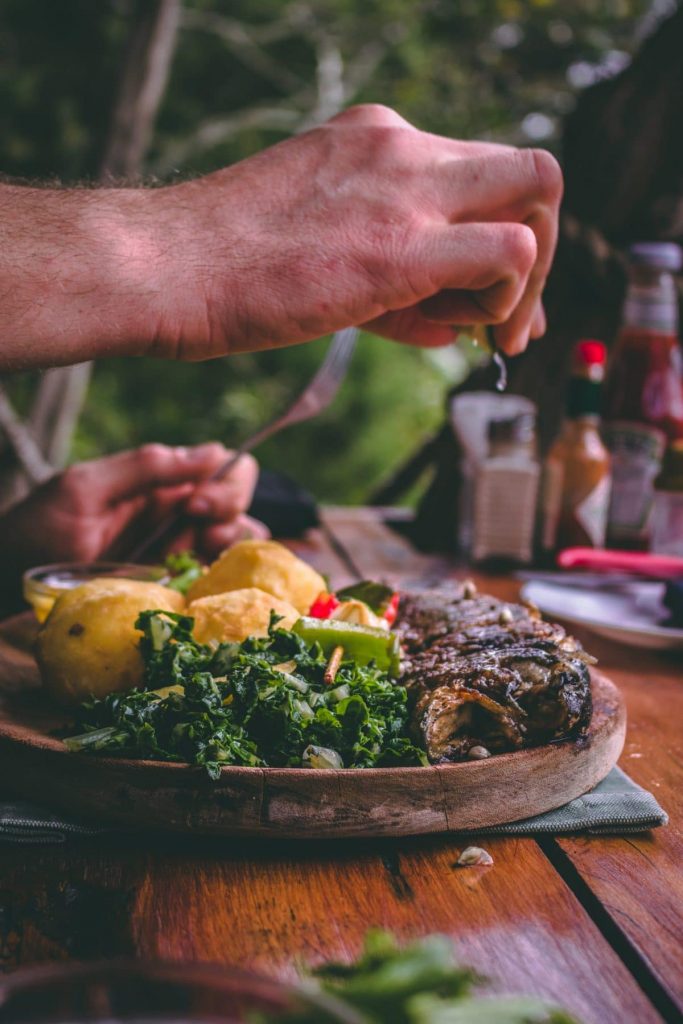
296	17
57	407
145	75
215	130
241	42
23	443
331	91
360	70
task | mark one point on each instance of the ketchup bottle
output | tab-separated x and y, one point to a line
644	390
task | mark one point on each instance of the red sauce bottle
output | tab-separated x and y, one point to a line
644	391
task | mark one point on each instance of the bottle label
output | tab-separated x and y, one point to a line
591	513
637	452
652	315
653	308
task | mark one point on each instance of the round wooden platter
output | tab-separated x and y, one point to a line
289	802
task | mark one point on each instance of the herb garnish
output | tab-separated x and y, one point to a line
260	702
416	984
375	595
184	569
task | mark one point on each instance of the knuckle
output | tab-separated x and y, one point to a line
372	114
152	456
214	451
392	254
76	486
70	482
383	149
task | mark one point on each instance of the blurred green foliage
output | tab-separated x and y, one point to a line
505	70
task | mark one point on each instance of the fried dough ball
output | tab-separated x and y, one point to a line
238	614
88	646
264	564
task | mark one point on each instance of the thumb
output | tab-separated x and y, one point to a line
479	272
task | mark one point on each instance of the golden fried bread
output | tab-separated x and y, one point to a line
266	565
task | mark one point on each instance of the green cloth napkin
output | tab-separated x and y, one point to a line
616	806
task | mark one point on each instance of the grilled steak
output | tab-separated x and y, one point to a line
428	615
484	673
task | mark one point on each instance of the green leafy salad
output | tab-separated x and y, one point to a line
416	984
290	699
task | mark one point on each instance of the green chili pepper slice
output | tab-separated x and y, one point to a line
361	644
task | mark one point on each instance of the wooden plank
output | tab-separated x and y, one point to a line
269	906
317	549
381	553
638	879
636	882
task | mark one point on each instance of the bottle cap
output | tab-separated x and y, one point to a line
589	351
588	359
659	255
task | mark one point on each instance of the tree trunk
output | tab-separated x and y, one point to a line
62	391
151	47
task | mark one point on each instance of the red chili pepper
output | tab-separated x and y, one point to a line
323	606
391	610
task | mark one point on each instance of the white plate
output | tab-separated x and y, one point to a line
632	613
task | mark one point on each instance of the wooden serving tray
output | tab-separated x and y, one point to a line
299	803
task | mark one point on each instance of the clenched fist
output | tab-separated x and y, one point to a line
365	220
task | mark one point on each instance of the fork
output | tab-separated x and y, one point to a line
315	397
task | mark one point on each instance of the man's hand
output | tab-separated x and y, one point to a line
92	509
364	220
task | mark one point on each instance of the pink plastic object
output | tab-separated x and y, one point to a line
662	567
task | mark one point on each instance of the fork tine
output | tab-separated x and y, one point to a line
332	369
325	384
338	353
337	358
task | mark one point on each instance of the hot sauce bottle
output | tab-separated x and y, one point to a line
644	390
576	477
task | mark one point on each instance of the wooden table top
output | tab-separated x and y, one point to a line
594	924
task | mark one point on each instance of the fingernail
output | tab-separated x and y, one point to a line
199	506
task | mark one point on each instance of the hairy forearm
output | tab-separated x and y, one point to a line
365	220
83	274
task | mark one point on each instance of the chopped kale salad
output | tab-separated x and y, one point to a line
319	695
